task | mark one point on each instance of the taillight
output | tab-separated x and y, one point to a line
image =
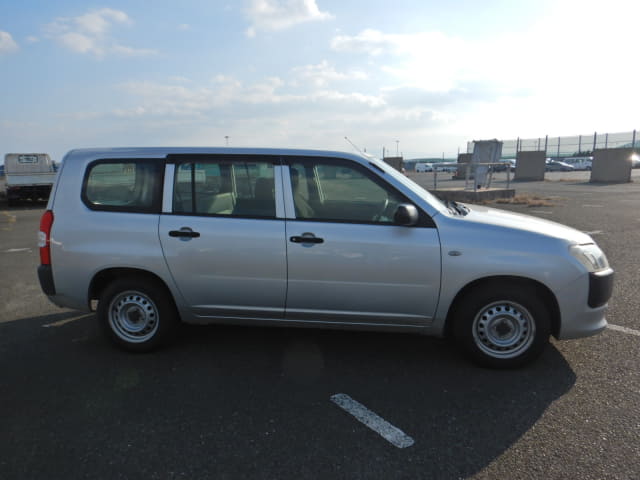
44	237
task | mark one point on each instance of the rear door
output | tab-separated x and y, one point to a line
223	235
347	260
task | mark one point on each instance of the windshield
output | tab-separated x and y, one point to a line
434	201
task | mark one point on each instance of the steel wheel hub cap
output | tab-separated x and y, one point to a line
504	329
133	317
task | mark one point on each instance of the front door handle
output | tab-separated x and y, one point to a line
306	239
184	233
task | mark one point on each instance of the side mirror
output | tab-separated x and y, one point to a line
406	215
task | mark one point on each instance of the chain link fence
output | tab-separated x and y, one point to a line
556	147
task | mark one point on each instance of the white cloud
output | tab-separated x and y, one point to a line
183	27
7	43
555	77
32	39
91	34
370	41
272	15
181	98
322	74
429	60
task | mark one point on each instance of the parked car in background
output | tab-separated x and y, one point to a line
424	167
635	160
160	236
579	163
557	166
509	163
450	168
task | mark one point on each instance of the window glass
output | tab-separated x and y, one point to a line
225	188
124	185
338	191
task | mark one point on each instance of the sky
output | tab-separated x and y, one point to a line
420	78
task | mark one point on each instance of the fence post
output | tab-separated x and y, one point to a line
579	144
633	143
558	149
606	140
595	136
546	141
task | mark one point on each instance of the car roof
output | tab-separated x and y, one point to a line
162	152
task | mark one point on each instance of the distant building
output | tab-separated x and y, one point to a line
395	162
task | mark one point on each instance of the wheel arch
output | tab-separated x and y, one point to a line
104	277
541	289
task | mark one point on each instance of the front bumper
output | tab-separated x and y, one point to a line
583	305
600	288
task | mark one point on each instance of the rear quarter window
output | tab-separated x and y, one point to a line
124	185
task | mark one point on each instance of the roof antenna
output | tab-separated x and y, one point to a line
353	145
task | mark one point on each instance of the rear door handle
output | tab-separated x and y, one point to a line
184	233
305	239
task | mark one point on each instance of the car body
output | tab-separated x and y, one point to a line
505	164
447	168
579	163
159	236
424	167
557	166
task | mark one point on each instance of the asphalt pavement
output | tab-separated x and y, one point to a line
236	402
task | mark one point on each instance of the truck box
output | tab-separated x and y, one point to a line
28	176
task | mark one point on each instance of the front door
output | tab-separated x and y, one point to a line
347	261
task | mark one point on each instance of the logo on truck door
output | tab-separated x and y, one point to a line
28	159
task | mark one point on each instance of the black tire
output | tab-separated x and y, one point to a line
502	325
138	314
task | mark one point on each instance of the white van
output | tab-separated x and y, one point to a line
160	236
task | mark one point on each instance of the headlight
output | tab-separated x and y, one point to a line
590	256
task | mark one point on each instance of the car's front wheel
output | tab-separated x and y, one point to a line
137	314
502	326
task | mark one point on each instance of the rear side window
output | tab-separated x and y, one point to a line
124	186
222	187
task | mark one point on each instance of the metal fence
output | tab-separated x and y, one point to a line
568	146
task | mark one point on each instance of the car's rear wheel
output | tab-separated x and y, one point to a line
502	326
137	314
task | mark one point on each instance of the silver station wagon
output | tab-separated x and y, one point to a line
152	237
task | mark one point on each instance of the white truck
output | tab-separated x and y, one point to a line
28	175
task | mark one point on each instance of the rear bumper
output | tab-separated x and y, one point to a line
45	275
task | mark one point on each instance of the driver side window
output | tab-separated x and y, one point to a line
340	191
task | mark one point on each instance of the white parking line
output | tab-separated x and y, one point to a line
630	331
595	232
379	425
14	250
59	323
